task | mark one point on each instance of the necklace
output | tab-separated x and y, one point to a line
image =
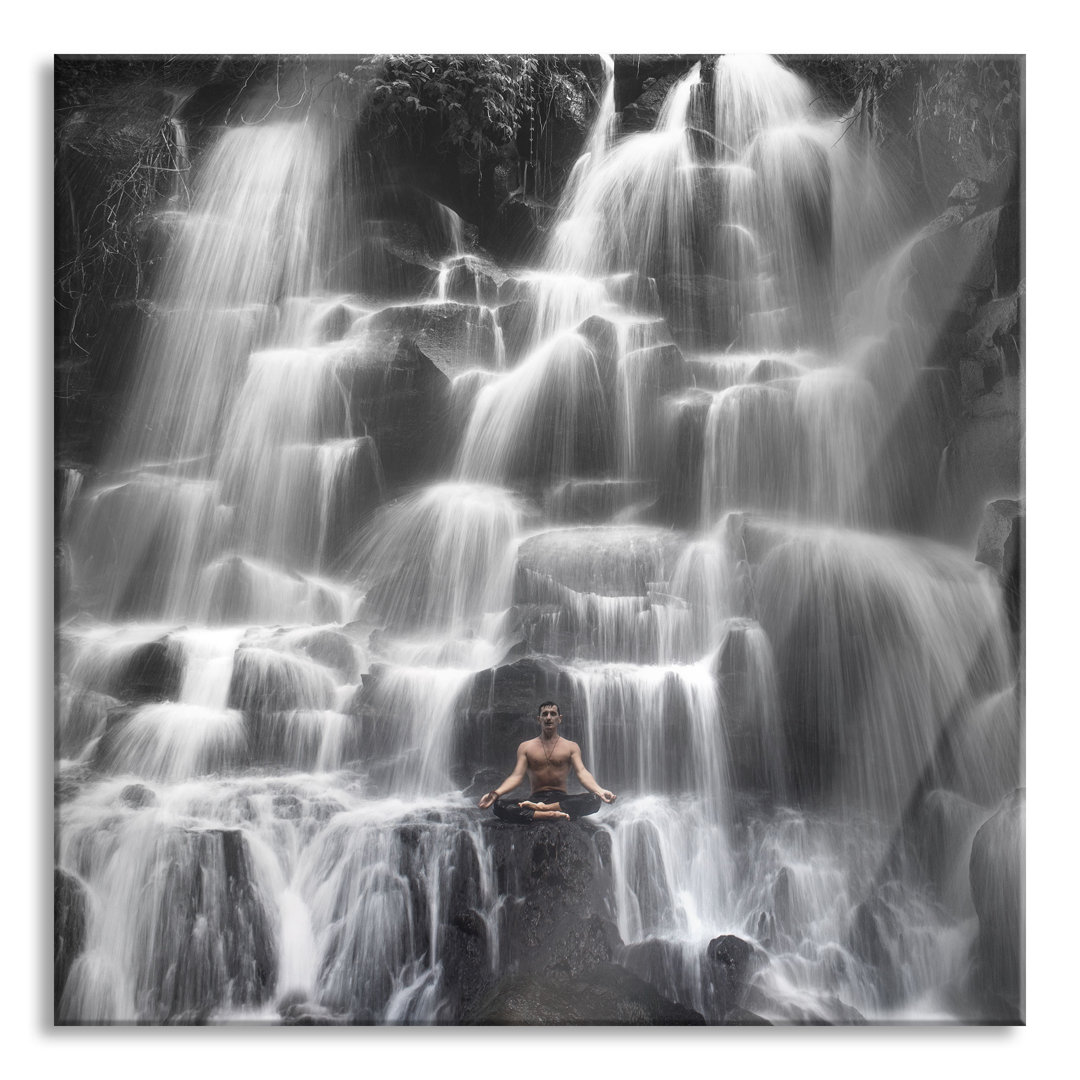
545	749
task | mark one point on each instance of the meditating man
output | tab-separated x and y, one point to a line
547	760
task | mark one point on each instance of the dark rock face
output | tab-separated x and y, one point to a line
333	650
214	940
69	927
607	994
1000	546
558	936
137	796
997	888
153	672
730	961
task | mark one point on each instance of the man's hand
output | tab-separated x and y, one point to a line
487	800
607	796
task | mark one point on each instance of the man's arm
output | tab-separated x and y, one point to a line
588	781
510	782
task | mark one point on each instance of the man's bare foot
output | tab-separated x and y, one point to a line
540	805
549	815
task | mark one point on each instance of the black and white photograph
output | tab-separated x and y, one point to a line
539	539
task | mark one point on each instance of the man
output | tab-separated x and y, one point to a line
547	760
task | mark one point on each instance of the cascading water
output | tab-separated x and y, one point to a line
670	491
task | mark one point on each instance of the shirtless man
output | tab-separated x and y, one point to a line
547	760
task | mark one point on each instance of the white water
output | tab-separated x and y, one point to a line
767	687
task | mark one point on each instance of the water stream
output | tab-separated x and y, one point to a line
274	633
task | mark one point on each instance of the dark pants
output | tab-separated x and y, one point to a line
576	806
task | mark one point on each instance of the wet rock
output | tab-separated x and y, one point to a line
266	681
643	113
453	335
994	337
69	927
596	500
615	560
214	940
989	245
137	796
1000	545
703	311
876	937
521	222
296	1010
153	672
606	994
744	1018
398	393
82	717
997	889
966	190
333	650
560	876
730	961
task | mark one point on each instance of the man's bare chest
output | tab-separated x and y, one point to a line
540	757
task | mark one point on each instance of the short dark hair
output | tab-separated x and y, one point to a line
543	703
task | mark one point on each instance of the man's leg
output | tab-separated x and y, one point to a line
522	815
580	805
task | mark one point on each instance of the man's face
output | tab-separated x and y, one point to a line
550	719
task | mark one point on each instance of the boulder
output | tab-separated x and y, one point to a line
997	889
1000	545
730	961
966	190
643	112
137	796
606	994
70	912
398	393
454	336
153	672
611	560
332	649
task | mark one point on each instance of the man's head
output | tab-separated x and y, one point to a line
550	717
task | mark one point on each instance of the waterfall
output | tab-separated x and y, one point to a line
653	464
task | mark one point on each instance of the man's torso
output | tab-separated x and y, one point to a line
549	766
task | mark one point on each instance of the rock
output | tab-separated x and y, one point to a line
876	937
296	1011
642	113
267	681
702	310
333	650
217	942
606	994
744	1017
395	389
730	961
997	889
611	560
69	927
454	336
82	717
993	339
153	672
520	224
989	246
966	190
595	500
1000	545
137	796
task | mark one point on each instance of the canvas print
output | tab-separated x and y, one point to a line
539	540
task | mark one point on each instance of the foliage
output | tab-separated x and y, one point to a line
116	156
978	99
476	106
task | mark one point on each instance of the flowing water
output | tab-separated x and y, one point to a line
674	485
